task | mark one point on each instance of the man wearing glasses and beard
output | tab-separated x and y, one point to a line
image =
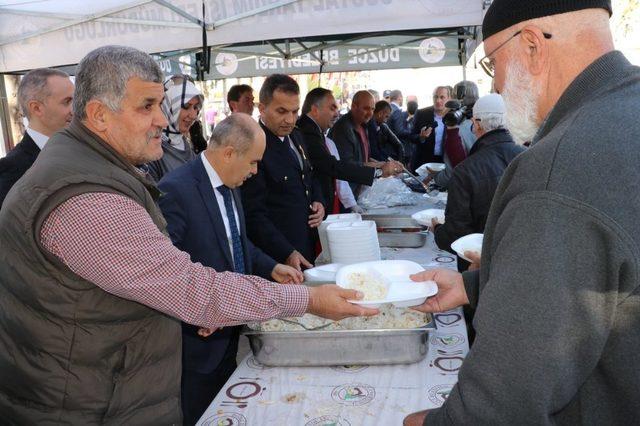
557	295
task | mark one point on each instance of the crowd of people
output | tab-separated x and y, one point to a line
125	232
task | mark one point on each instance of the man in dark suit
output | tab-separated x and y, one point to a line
283	201
204	214
430	140
319	112
384	142
45	97
400	124
351	136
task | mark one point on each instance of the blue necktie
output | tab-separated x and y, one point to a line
238	255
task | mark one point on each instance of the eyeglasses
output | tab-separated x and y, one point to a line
487	63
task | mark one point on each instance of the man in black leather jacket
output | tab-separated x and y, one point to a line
475	180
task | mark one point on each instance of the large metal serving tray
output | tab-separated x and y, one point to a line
396	231
402	239
339	347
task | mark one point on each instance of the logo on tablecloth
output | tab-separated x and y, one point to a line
439	394
444	259
243	390
349	368
253	363
228	419
353	394
447	340
328	421
447	320
448	364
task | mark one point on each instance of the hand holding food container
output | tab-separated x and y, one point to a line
386	281
333	302
450	294
468	243
429	217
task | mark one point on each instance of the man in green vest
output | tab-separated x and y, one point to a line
91	288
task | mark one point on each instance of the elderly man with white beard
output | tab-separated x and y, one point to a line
557	297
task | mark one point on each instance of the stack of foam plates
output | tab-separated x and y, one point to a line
353	242
334	218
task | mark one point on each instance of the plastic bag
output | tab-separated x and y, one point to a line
386	192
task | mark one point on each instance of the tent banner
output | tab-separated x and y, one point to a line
428	52
54	33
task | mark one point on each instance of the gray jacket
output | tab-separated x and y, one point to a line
172	158
558	297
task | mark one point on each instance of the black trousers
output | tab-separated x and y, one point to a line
198	389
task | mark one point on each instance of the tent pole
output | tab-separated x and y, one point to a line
5	116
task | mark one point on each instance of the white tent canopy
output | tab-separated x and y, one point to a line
47	33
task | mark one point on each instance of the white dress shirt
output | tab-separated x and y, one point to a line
38	137
215	180
345	194
437	149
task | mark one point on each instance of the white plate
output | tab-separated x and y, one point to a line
401	291
424	217
471	242
435	167
322	273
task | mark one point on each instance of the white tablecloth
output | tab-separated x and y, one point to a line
349	395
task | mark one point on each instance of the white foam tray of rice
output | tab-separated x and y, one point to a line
386	281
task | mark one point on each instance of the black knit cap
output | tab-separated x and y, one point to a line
504	13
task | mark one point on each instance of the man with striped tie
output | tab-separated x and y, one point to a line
205	218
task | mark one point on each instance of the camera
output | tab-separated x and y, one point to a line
461	108
457	113
432	125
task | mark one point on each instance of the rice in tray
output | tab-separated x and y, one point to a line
389	317
371	287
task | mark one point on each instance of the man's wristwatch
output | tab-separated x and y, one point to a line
378	173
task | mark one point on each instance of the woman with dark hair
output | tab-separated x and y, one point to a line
198	141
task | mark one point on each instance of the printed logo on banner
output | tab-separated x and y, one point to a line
349	368
353	394
447	341
229	419
226	63
183	60
439	394
328	421
432	50
447	320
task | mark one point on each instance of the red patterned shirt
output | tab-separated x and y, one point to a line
111	241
